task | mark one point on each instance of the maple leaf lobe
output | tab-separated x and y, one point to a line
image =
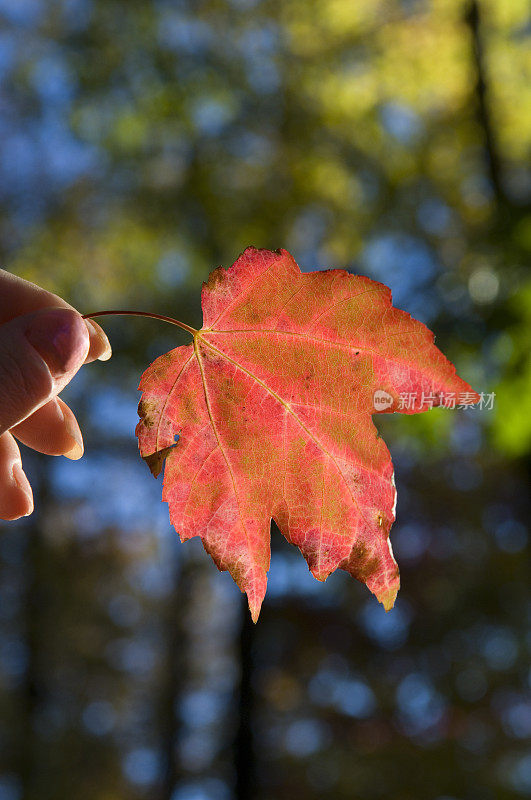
155	461
273	404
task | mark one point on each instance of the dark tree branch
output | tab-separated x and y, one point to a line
481	91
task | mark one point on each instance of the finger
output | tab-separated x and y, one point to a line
19	297
53	430
39	354
16	497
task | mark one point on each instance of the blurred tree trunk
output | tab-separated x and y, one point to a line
244	754
33	689
174	670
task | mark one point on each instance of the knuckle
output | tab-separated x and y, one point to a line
21	385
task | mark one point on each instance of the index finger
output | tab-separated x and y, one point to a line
19	297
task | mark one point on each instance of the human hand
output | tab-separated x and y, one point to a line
43	343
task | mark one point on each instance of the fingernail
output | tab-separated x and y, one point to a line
75	453
102	337
59	338
77	450
19	476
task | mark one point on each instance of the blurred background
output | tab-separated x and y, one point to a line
144	142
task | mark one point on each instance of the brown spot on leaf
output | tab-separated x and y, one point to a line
360	563
216	278
148	412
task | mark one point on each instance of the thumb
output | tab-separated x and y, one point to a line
39	354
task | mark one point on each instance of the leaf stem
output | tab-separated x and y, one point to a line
144	314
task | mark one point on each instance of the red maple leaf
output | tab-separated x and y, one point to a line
272	405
